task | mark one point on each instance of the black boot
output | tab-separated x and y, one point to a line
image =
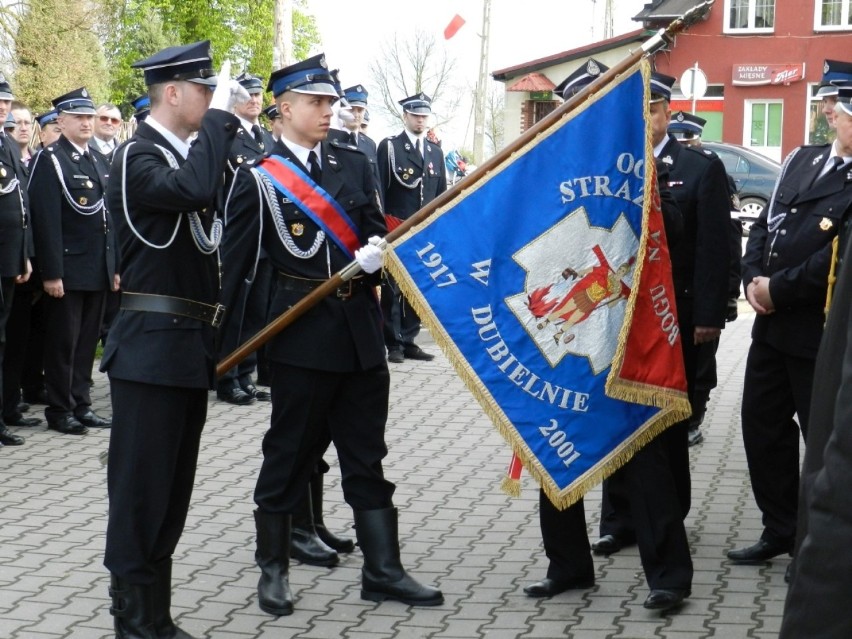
132	609
383	576
305	545
340	544
162	598
273	558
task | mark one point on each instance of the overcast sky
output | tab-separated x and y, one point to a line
521	30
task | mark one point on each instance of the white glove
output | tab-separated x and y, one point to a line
345	116
369	257
228	92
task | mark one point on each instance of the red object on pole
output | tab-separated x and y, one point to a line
455	24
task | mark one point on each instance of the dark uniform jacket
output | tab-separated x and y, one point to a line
337	334
73	231
400	171
16	243
701	260
245	151
819	595
106	157
366	145
161	348
796	255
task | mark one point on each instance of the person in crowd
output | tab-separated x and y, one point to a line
647	481
159	355
15	265
107	125
330	380
411	174
785	271
75	245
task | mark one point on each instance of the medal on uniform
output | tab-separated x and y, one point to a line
817	160
825	224
297	229
84	201
2	172
407	146
75	156
668	160
89	184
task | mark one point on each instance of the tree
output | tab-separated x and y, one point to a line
57	51
494	107
407	67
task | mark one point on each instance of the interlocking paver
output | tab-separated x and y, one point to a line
457	531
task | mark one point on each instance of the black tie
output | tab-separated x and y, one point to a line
417	147
353	139
258	136
838	162
314	167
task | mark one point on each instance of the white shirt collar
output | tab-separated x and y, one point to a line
414	139
246	124
659	148
81	149
301	152
179	145
834	154
104	146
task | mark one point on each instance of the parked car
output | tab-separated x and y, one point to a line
754	174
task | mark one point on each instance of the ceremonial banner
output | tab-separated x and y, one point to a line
548	285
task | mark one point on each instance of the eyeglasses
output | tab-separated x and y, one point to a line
106	118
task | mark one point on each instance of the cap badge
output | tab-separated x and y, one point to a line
359	88
680	117
592	68
825	224
323	63
825	67
84	93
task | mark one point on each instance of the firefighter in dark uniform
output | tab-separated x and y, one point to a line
785	271
160	352
352	120
700	270
75	245
250	313
16	243
271	113
141	108
822	572
411	174
647	481
330	381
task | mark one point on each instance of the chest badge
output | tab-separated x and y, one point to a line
84	201
825	224
297	229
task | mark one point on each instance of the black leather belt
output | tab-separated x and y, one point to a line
304	285
209	313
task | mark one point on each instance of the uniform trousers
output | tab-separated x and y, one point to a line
72	329
401	323
647	482
153	451
7	293
309	409
16	351
248	319
777	386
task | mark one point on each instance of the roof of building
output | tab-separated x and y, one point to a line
665	9
504	75
532	82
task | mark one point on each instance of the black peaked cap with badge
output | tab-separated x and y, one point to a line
419	104
309	76
5	89
581	78
77	101
356	96
835	73
271	112
189	62
46	118
661	87
683	122
250	83
141	107
844	98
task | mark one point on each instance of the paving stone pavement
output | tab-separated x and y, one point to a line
458	531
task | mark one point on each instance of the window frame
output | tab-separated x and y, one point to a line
844	10
752	9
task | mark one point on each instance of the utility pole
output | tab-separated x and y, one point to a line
608	20
481	86
282	44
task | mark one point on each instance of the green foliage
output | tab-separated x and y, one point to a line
57	51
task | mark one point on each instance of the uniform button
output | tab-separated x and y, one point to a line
775	255
794	210
174	321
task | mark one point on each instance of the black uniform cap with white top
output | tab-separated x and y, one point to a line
420	104
580	78
77	101
189	62
844	98
5	89
661	87
835	73
309	76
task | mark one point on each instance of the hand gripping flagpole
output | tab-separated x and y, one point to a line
656	42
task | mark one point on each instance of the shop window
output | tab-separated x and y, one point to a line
750	16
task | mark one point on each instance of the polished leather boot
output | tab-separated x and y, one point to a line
340	544
164	626
382	576
305	544
273	558
132	609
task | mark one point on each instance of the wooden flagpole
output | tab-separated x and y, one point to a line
652	45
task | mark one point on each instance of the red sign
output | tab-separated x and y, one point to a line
755	74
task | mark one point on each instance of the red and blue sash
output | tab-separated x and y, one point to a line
309	196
